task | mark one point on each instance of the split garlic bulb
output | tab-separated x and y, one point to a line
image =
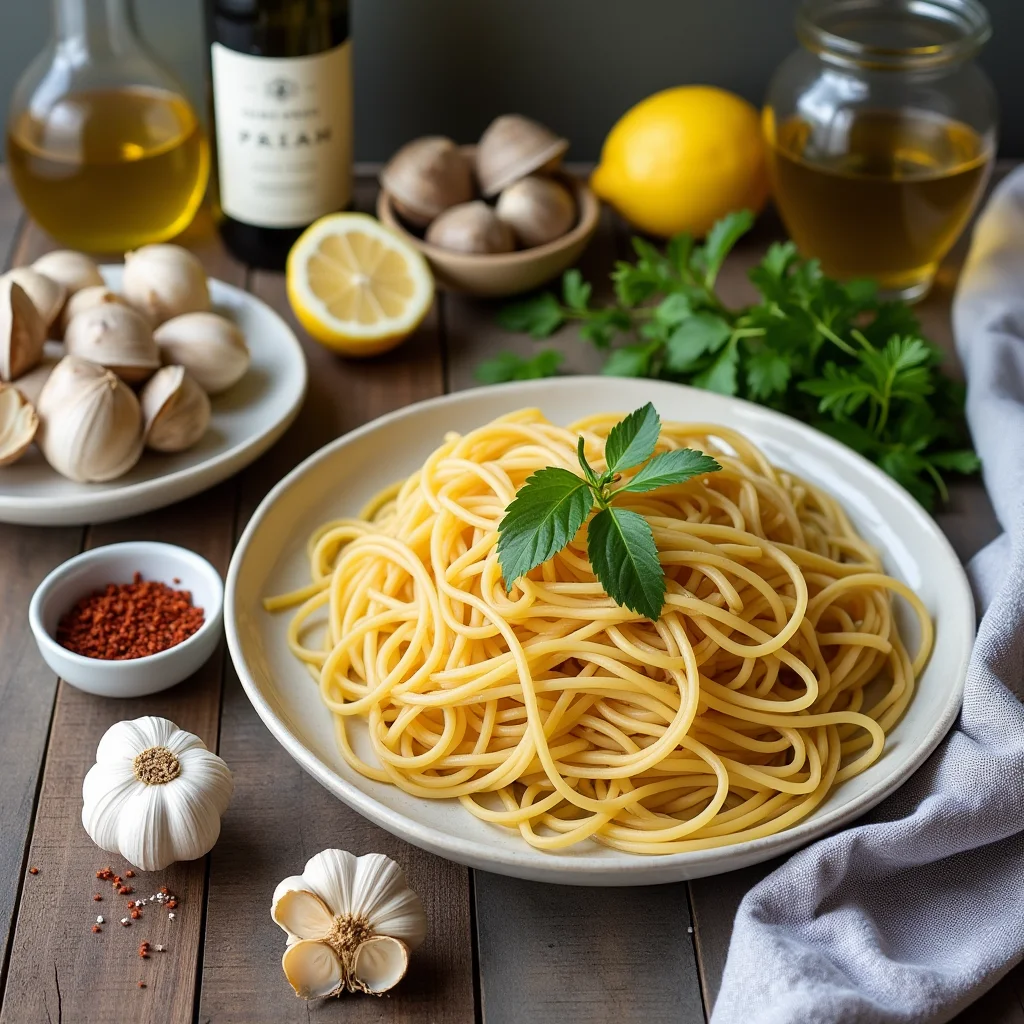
155	794
351	922
22	331
208	345
46	294
164	281
116	337
72	269
18	424
175	410
90	426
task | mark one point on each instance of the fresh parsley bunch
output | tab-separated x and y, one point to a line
830	354
553	504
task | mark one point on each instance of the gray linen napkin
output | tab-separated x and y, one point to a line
914	912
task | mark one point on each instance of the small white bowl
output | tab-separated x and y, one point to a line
118	563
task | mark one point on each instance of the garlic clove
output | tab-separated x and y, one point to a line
164	281
211	348
313	969
47	295
427	176
471	228
22	331
72	269
106	790
31	384
538	210
86	298
175	410
90	423
513	146
144	827
301	913
18	424
116	337
379	964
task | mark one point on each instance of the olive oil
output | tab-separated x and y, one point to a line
110	170
884	195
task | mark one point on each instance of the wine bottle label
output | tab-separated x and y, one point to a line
284	135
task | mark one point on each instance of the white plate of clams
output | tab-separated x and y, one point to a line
117	433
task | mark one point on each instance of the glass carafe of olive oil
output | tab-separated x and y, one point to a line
881	134
103	147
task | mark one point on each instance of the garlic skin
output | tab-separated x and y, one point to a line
472	228
155	794
72	269
46	294
18	424
22	331
87	298
164	281
90	424
211	347
117	337
175	410
537	209
351	922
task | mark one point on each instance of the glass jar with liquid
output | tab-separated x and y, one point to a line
881	134
103	148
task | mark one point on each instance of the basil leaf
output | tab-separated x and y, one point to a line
621	548
632	440
545	515
675	467
588	471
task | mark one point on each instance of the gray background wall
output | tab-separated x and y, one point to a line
449	66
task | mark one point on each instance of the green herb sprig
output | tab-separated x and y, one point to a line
549	509
830	354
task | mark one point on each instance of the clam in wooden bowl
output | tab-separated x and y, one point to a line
508	273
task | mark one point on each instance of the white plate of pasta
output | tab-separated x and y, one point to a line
810	654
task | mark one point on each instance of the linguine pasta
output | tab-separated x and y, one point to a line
773	674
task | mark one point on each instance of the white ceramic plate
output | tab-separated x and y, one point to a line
247	420
338	479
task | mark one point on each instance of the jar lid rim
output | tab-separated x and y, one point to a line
967	18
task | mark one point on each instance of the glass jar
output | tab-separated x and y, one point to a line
104	149
881	133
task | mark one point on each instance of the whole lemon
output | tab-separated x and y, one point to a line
683	158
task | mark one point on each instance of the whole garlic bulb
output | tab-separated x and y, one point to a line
90	424
537	209
471	227
22	332
175	410
46	294
208	345
163	281
18	424
116	337
351	922
86	298
72	269
427	176
155	794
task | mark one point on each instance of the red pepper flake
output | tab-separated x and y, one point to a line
141	984
96	928
163	889
136	914
171	904
33	871
129	873
97	897
124	890
144	955
129	620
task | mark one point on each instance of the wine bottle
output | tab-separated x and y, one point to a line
281	78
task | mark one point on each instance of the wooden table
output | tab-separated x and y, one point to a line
499	950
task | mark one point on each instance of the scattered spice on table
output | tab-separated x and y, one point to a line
129	620
33	871
96	928
97	897
141	984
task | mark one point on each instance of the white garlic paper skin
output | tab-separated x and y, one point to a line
164	281
155	794
350	921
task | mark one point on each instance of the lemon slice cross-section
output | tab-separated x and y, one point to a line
357	286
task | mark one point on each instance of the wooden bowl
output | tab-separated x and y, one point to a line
506	273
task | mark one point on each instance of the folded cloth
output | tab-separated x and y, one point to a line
918	909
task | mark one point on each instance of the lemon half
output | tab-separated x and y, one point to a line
357	286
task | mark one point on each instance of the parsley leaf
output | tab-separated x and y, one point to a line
539	316
545	515
693	338
620	544
674	467
632	440
508	366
